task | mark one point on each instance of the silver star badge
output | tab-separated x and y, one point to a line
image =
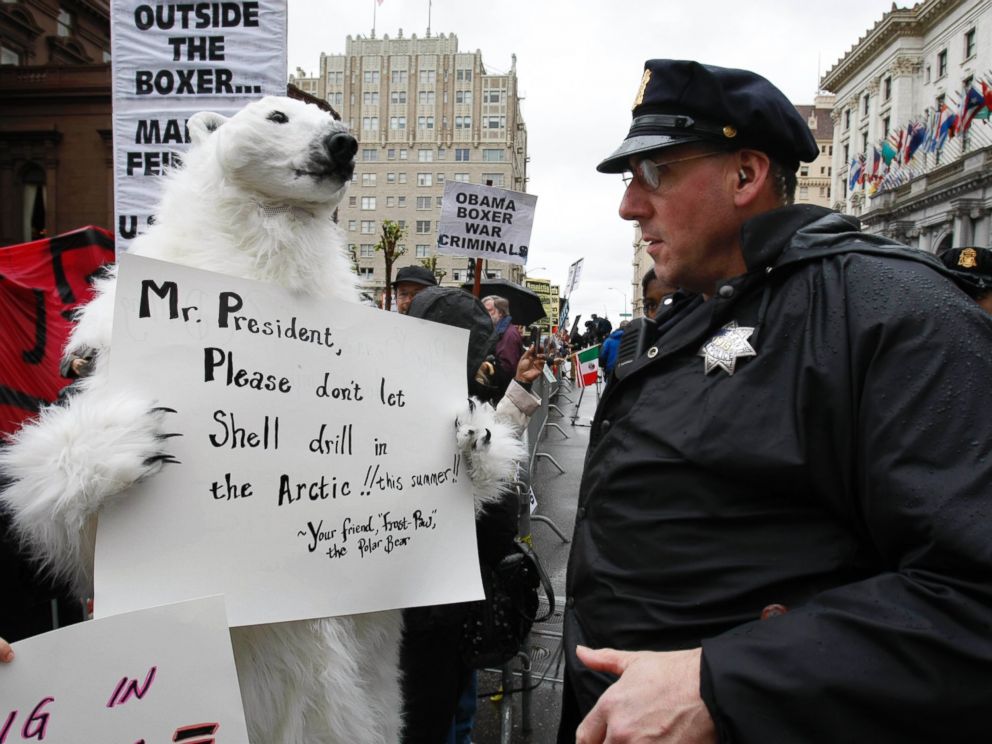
727	344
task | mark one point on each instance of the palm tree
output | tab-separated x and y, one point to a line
392	234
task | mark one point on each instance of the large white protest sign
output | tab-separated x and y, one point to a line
160	675
319	473
574	272
170	61
485	222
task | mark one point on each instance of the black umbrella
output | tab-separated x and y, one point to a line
525	306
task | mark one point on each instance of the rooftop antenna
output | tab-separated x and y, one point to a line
428	19
375	5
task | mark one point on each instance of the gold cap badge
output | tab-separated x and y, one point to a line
639	98
729	132
968	259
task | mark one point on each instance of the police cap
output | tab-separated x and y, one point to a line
681	101
971	267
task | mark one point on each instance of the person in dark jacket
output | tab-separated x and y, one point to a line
608	351
783	528
510	346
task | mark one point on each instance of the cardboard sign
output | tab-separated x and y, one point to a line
485	222
319	472
170	61
160	675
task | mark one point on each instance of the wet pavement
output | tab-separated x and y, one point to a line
532	716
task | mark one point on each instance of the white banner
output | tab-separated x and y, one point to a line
161	675
319	470
485	222
574	272
170	61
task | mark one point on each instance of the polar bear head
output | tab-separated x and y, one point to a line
278	149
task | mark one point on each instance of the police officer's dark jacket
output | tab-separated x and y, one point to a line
843	471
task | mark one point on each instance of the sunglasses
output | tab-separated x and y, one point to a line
647	172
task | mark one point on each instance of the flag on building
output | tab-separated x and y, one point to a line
587	364
916	133
972	103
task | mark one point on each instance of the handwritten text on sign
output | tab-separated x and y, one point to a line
319	474
170	61
160	675
485	222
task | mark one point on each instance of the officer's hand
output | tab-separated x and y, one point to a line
656	698
6	652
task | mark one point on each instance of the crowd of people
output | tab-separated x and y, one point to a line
781	531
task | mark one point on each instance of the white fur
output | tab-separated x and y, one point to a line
254	199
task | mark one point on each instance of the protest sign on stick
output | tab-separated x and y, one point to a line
159	675
485	222
319	473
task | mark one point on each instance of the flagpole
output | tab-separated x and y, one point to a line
375	5
428	19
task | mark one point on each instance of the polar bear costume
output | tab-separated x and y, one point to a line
254	199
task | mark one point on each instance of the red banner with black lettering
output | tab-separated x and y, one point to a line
41	283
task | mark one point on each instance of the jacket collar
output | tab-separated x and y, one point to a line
765	237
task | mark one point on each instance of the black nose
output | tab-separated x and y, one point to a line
341	147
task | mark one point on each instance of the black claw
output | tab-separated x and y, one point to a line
169	436
489	435
164	458
471	405
164	409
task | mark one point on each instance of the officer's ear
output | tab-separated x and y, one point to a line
752	178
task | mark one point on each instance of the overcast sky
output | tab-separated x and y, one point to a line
579	63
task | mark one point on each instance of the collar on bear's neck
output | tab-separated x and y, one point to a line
280	210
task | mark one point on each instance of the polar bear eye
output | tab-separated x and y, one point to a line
278	117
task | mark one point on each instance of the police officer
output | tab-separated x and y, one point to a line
971	268
783	530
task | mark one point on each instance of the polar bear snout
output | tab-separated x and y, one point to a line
339	150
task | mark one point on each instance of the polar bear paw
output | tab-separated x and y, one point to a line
62	467
491	450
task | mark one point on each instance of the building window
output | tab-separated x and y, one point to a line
398	76
969	43
463	76
425	156
493	96
438	201
866	103
400	201
390	177
397	122
887	89
847	119
425	179
403	153
803	192
368	179
423	227
463	96
463	122
495	122
440	178
428	76
493	179
8	56
804	171
847	153
372	77
426	97
368	203
941	63
423	202
401	177
390	201
493	156
370	123
462	154
885	125
391	153
65	23
365	272
335	77
352	225
367	250
422	250
425	122
352	201
370	154
460	177
370	98
368	227
864	141
397	96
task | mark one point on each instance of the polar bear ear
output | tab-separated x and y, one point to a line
201	124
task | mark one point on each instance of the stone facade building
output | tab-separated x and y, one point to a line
424	112
56	170
899	73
